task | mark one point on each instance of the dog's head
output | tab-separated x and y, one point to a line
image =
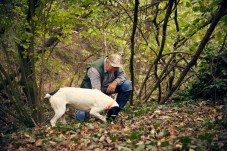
112	113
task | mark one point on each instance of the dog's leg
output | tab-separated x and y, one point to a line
62	119
59	112
95	113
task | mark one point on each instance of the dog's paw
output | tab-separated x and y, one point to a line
104	120
53	124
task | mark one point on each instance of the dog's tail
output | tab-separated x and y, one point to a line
47	96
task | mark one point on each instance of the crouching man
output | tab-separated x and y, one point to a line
107	75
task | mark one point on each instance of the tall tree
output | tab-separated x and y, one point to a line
158	58
133	46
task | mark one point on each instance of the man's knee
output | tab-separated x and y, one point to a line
126	86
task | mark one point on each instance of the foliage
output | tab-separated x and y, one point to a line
187	125
28	30
50	47
50	44
12	61
212	78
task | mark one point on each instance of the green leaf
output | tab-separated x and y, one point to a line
165	144
196	8
122	148
185	140
75	139
188	4
59	139
113	138
133	135
207	136
95	139
140	147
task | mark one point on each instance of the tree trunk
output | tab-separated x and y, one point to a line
27	66
168	12
132	46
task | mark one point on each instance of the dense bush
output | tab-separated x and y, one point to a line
211	83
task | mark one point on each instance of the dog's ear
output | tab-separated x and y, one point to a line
112	113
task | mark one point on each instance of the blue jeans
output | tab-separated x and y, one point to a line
123	90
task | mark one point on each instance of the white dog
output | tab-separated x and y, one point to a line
88	100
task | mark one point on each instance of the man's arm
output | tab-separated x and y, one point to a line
95	78
120	76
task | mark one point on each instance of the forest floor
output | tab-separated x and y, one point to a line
188	125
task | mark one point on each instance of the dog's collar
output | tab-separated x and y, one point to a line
110	105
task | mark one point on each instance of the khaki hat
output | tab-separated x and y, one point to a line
115	60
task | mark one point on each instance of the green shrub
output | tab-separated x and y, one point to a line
212	78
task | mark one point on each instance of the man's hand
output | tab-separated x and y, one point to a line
111	88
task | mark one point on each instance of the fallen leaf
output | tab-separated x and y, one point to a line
123	148
10	146
125	129
31	140
61	136
52	143
48	129
39	142
171	130
220	117
158	112
59	139
153	133
26	135
199	119
128	141
160	134
140	143
164	117
102	138
108	140
179	146
151	116
73	136
22	149
221	106
202	103
71	145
